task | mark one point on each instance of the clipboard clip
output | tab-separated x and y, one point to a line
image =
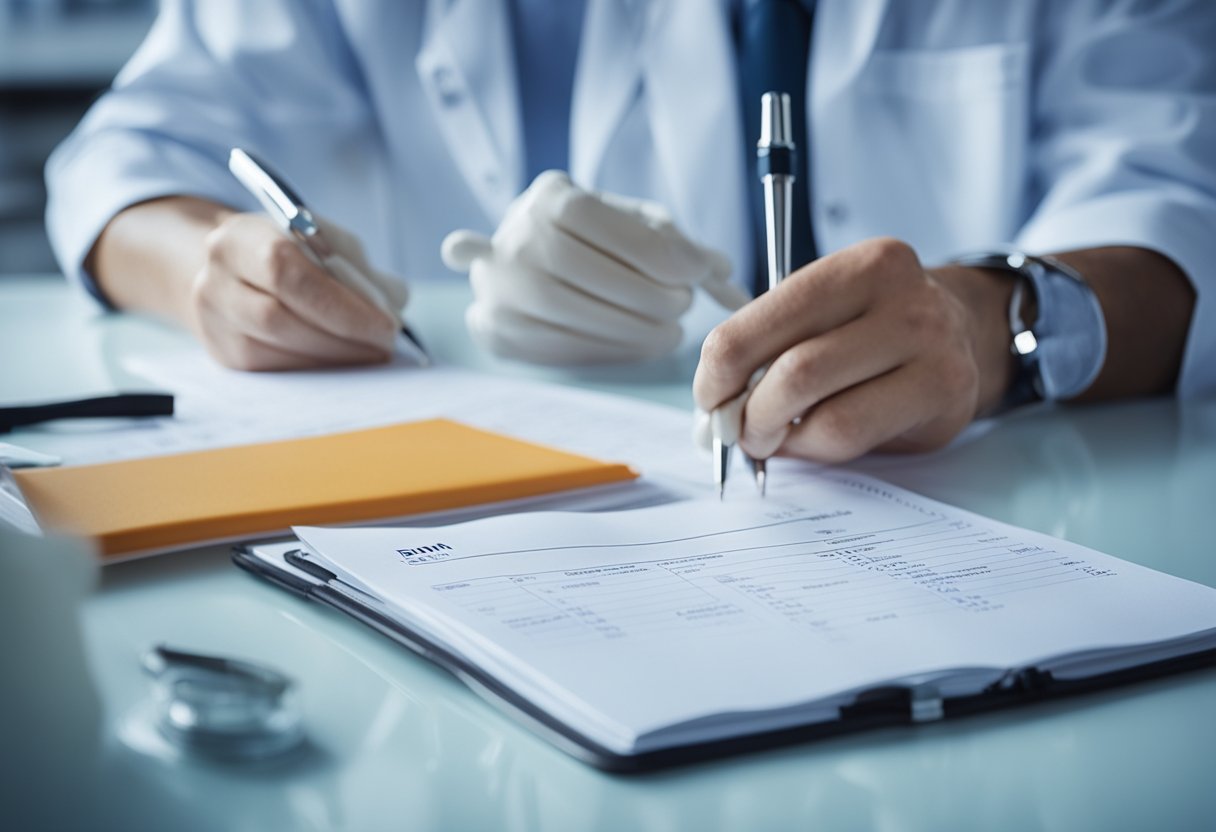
911	703
1022	680
925	703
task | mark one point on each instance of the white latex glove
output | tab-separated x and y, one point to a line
574	277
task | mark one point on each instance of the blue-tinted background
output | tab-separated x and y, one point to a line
56	56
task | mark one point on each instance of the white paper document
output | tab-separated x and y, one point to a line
218	407
702	620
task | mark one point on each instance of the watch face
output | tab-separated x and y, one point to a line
1072	343
1062	352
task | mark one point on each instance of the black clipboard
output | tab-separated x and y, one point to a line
876	708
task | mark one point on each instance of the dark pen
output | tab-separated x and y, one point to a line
98	407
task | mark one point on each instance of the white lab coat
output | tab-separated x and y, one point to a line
953	124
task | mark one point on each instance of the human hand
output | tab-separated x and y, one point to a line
865	350
261	303
574	277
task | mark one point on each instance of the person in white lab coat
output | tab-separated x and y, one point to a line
1085	129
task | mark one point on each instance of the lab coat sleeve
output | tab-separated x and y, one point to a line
211	74
1125	146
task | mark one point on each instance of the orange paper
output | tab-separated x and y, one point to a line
257	490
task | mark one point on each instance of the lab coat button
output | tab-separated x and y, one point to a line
835	212
447	86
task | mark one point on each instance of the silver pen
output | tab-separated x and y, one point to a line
721	463
286	208
776	164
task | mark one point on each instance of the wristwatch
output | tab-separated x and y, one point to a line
1060	352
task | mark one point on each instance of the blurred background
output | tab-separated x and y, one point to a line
56	57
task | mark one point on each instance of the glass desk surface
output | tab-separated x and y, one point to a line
397	743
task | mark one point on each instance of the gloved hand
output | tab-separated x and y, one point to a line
261	303
575	277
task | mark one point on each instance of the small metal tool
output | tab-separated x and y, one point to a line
223	708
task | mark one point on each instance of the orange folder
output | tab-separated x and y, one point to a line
142	505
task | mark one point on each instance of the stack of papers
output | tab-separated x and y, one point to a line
145	505
695	622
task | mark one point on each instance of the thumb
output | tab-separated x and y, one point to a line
461	248
347	256
395	290
353	279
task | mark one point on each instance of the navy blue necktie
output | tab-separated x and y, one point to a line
774	40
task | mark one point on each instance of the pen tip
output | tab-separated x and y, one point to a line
760	473
721	464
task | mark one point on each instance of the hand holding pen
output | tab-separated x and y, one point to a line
267	301
858	350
